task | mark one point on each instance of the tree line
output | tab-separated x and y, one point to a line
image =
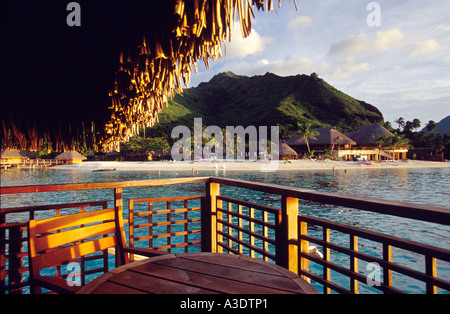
439	143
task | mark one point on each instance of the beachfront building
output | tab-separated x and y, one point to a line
365	138
70	157
356	145
328	139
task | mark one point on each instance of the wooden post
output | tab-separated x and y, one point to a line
326	257
354	263
304	248
287	236
387	257
431	271
121	259
209	218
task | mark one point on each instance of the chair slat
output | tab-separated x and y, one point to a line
68	221
57	257
58	239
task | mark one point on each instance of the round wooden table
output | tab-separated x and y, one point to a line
199	273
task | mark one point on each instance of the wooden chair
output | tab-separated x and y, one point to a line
58	241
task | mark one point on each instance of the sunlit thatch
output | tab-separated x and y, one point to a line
155	44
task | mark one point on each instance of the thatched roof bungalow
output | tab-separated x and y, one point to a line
367	134
71	157
287	151
14	156
328	138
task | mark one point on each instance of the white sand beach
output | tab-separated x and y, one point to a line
244	165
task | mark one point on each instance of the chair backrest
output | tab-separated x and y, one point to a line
58	241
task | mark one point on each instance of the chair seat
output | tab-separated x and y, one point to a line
55	284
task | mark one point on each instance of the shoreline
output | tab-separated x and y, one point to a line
293	165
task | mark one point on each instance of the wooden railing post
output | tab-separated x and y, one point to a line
209	219
287	235
121	259
431	270
354	263
304	248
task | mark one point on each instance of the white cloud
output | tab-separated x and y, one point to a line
350	46
300	22
425	47
388	39
350	67
361	44
254	44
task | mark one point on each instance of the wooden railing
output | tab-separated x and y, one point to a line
177	227
224	220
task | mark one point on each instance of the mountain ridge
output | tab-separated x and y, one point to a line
269	99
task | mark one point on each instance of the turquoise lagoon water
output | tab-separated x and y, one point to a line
422	186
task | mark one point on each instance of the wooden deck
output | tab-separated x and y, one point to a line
216	222
31	164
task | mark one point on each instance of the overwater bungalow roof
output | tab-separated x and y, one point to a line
70	155
96	82
327	136
14	154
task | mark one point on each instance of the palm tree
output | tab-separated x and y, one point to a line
338	142
306	132
398	140
380	142
401	122
408	126
431	126
416	124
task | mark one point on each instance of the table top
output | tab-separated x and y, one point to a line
199	273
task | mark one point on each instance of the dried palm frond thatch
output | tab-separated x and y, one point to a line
121	66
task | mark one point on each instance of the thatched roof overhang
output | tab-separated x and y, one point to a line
94	85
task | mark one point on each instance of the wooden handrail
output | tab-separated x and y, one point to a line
440	215
98	185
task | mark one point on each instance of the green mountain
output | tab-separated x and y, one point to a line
267	100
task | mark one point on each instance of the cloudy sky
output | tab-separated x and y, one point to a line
401	66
